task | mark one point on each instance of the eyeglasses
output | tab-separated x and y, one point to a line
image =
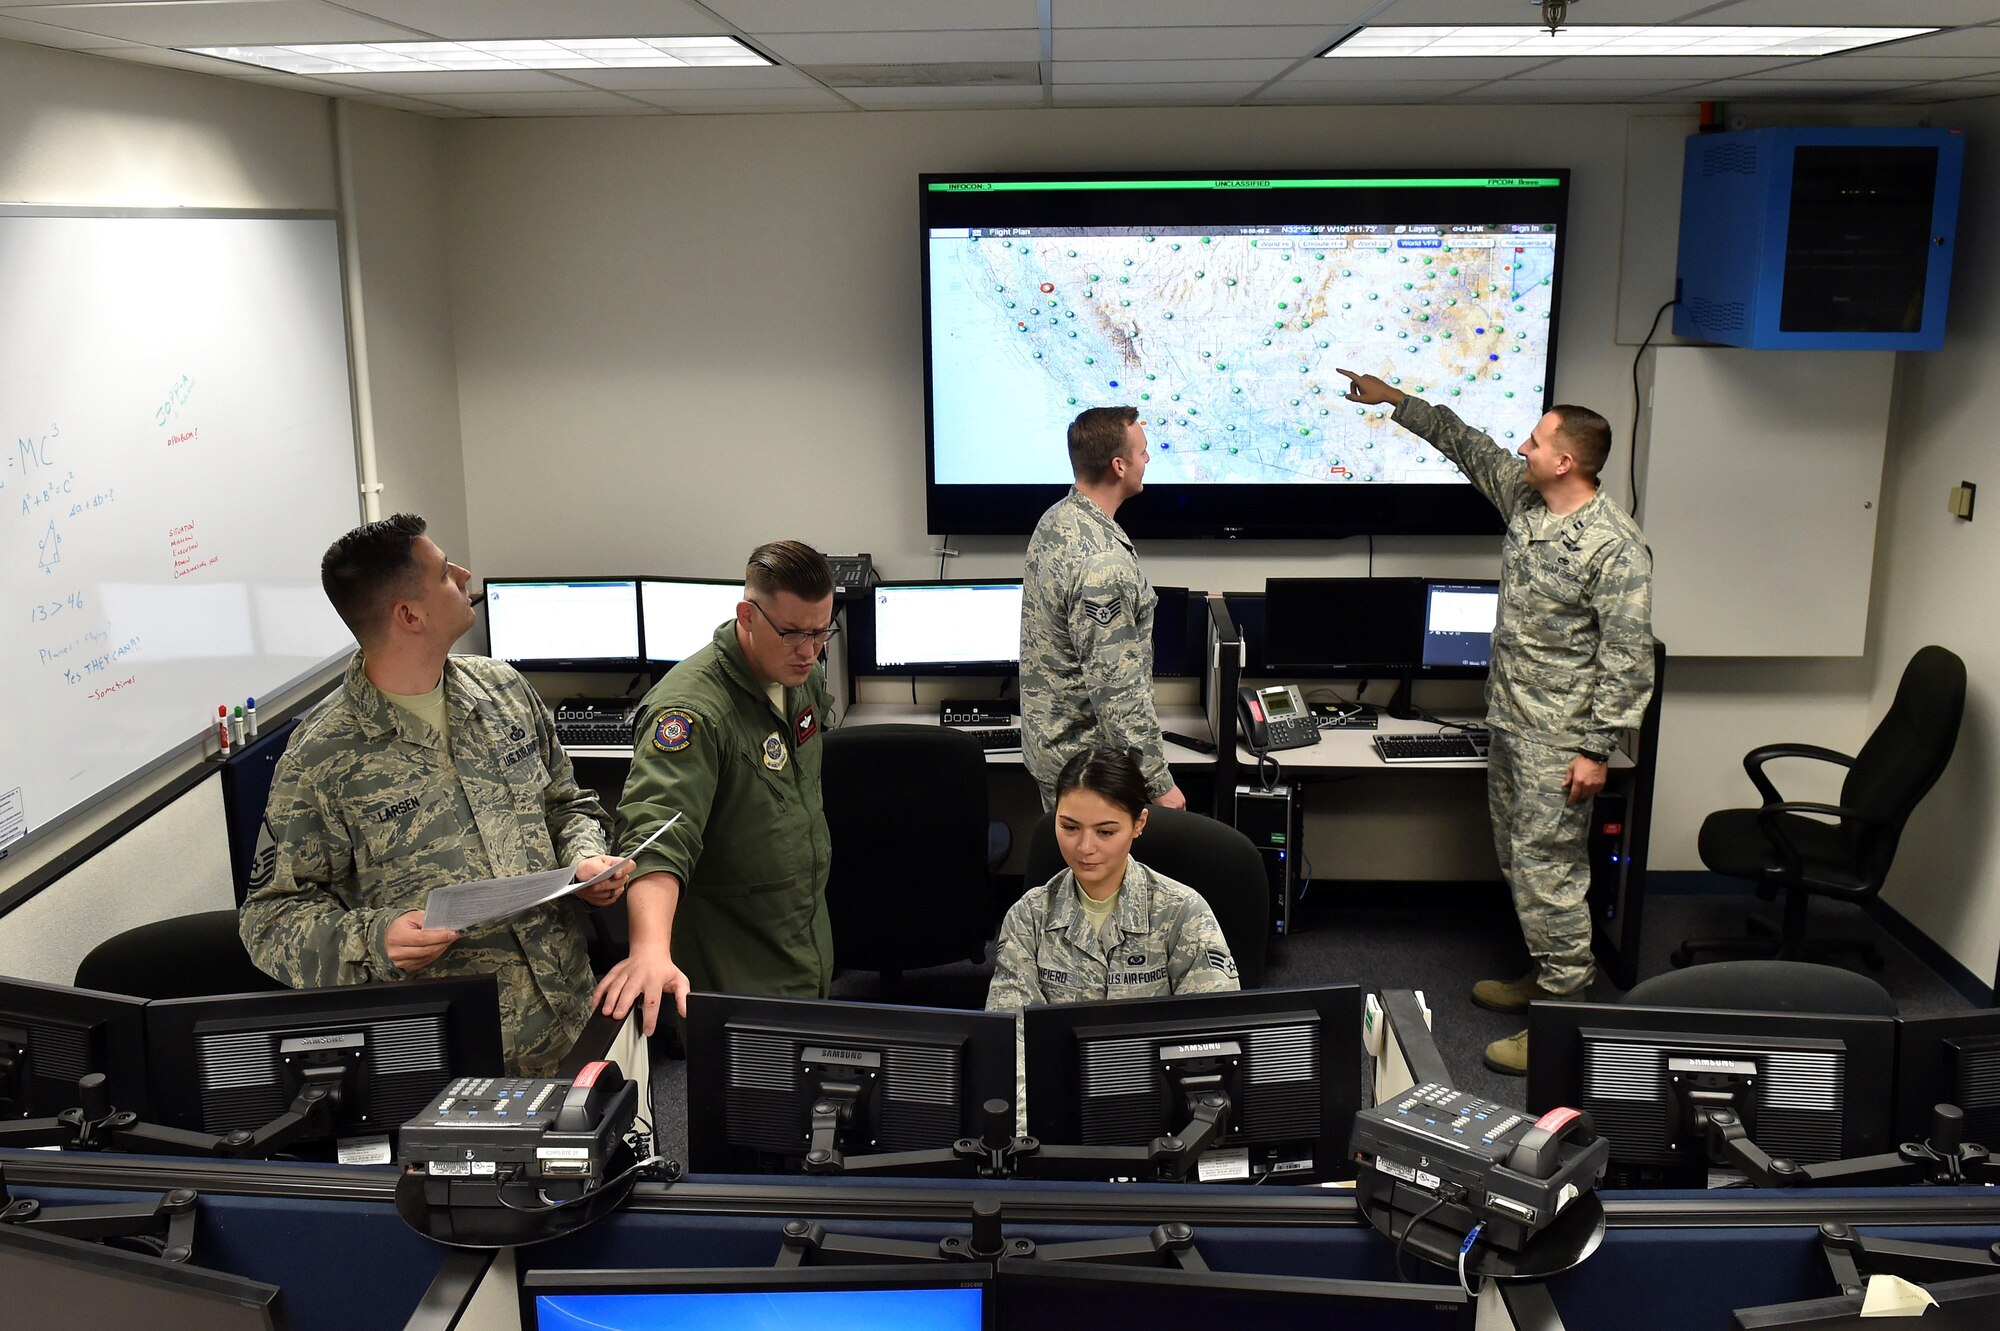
799	637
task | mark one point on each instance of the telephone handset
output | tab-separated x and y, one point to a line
1276	717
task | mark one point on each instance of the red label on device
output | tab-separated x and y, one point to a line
1558	1119
588	1076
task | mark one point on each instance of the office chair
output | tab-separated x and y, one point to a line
1209	856
191	956
909	886
1783	846
1765	986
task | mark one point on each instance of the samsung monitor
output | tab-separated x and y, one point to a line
1951	1060
940	628
1220	307
945	1297
1458	628
62	1284
1099	1294
1351	628
1808	1088
563	623
679	616
1114	1073
1180	632
52	1036
239	1061
900	1078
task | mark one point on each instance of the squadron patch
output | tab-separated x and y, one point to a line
806	725
674	730
775	756
1104	611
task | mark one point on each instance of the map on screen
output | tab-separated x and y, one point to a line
1226	339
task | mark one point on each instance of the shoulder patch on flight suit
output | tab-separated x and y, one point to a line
674	730
805	725
1104	611
775	756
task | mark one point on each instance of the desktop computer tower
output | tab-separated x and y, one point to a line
1611	876
1270	818
1818	238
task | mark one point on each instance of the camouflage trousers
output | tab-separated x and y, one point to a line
1542	841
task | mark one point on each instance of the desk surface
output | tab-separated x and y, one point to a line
1354	750
1186	719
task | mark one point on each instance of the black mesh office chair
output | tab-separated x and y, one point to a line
909	885
191	956
1209	856
1789	846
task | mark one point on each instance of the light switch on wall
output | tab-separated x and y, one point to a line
1959	501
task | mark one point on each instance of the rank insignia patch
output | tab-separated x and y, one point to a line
1104	611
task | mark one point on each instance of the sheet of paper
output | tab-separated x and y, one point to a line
1893	1296
462	905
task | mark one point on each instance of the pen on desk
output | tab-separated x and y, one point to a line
222	728
250	716
236	727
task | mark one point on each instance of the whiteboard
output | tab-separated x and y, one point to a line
178	441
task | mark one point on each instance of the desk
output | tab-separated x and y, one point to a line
1618	830
1186	720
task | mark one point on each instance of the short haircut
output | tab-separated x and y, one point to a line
371	568
1588	436
1096	436
788	566
1112	773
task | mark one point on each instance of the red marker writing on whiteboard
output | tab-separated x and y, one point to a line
222	728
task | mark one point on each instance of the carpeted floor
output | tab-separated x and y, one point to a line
1438	949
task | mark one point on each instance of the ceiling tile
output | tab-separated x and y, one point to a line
48	34
1790	90
512	19
1456	69
423	82
673	80
913	99
1168	71
1292	93
222	23
1204	13
1289	43
1152	94
1902	13
774	16
1960	42
745	99
904	48
1908	69
584	100
411	104
1603	91
1688	69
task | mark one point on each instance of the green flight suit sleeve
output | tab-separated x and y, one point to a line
296	923
677	757
1117	664
1493	471
1621	597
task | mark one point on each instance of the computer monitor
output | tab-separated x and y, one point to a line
1112	1073
678	616
52	1036
1099	1294
1808	1088
62	1284
940	628
239	1061
1458	628
949	1297
1951	1060
1180	632
1351	628
563	623
903	1078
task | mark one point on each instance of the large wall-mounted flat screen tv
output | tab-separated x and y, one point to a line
1220	307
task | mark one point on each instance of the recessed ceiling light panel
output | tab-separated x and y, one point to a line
1610	40
537	53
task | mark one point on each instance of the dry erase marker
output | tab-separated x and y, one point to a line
222	728
236	727
250	716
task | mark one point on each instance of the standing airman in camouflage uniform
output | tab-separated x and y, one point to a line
1572	667
1087	616
425	769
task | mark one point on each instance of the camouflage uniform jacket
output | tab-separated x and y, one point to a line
1573	647
369	812
752	848
1167	943
1087	645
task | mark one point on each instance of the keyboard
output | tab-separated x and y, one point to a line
1000	739
589	723
1468	747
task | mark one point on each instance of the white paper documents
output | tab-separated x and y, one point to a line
462	905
